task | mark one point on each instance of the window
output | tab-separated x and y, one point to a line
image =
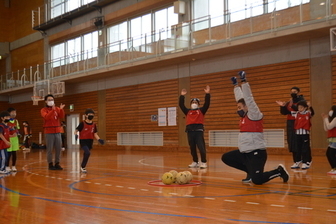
59	7
164	20
117	35
77	49
208	12
245	9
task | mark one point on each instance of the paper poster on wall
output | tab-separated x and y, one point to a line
171	116
162	112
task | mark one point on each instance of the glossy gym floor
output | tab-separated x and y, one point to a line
116	189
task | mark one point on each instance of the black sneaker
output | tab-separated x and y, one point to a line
58	167
283	173
51	166
247	180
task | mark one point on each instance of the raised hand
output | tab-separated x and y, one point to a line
207	89
62	105
281	103
183	92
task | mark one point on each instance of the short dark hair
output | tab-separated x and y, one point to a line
195	99
49	95
10	109
302	103
242	101
4	114
296	88
89	111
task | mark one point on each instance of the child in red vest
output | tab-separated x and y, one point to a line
302	130
87	133
4	140
329	123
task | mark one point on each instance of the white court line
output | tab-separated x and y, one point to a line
305	208
131	188
252	203
144	190
210	198
230	200
282	206
329	210
119	186
98	183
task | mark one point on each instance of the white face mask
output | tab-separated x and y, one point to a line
194	106
331	113
50	103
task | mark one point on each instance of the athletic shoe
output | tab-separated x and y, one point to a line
193	165
306	165
283	173
63	149
247	180
83	170
51	166
203	165
296	165
8	169
58	167
332	172
14	169
4	172
234	81
242	76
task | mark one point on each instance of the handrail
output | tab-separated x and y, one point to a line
181	36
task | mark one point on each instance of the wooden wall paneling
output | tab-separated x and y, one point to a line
334	79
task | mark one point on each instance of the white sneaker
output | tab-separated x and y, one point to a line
63	149
193	165
3	172
203	166
14	169
8	169
296	165
83	170
332	172
306	165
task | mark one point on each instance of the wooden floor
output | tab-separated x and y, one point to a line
116	190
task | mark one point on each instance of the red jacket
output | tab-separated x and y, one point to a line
52	119
6	133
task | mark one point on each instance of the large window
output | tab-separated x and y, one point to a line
209	13
59	7
137	32
76	49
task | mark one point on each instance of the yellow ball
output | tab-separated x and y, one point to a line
174	172
189	176
181	178
167	178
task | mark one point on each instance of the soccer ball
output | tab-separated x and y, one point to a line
167	178
181	178
174	172
189	176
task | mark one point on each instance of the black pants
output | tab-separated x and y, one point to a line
196	138
10	154
252	163
303	152
291	139
86	145
331	155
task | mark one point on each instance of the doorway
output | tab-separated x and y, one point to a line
71	124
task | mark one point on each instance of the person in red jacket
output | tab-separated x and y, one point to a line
302	126
195	126
87	133
4	140
52	116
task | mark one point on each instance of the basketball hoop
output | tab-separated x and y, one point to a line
35	99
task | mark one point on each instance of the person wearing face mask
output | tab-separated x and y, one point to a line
329	123
87	133
5	133
52	116
289	109
14	125
302	127
195	126
251	154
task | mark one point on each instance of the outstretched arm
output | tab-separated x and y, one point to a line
181	101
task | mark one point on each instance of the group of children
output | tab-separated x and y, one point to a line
9	143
